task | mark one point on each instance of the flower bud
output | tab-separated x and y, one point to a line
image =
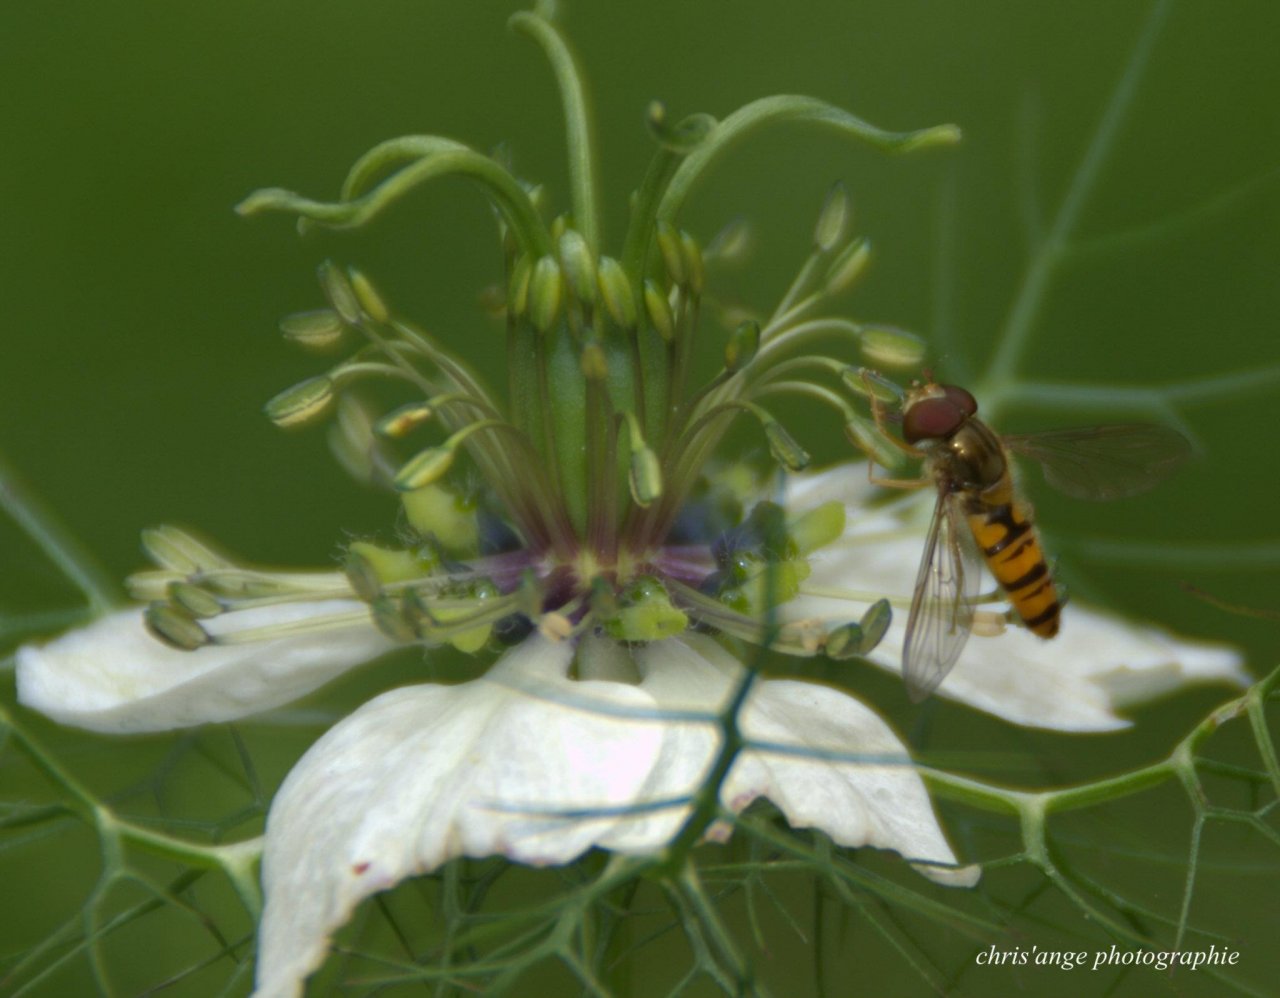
303	403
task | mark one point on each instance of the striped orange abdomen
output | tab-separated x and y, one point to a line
1011	546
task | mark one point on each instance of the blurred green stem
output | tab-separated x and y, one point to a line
42	525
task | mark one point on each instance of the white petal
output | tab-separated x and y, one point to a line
1075	682
112	676
425	774
880	802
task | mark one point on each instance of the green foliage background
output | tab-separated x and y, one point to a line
139	346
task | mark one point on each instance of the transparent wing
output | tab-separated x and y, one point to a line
1104	462
941	615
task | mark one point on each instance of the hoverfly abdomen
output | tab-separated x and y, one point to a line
1010	545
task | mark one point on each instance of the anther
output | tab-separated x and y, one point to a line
833	220
175	627
546	287
847	267
615	291
659	310
338	290
368	297
303	403
579	267
315	330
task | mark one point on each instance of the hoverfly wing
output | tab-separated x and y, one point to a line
1104	462
941	616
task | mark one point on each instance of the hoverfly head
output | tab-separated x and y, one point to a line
935	412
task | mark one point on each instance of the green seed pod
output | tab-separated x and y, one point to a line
659	309
368	297
579	267
423	468
197	602
847	267
314	330
546	287
615	291
672	253
174	627
888	346
305	402
339	292
740	350
833	220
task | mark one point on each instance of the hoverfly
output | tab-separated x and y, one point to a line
979	515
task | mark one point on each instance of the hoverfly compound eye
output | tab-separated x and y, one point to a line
933	418
961	399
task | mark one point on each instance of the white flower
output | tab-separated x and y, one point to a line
528	763
113	676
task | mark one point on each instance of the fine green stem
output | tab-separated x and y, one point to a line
43	526
1018	327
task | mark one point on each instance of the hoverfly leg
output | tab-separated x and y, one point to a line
881	418
896	483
